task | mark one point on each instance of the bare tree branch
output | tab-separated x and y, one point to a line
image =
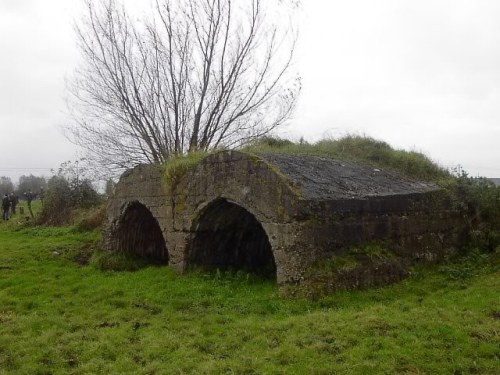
196	75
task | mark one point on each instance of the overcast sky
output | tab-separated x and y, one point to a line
421	75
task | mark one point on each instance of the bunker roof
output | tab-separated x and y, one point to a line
320	178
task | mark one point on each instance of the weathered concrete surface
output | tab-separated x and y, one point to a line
320	178
281	215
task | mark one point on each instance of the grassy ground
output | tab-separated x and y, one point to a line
58	316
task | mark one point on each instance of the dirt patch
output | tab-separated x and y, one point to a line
80	255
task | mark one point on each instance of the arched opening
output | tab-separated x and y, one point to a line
139	233
227	236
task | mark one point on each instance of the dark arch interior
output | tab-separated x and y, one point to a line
139	233
229	237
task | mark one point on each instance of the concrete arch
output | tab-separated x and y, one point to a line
137	232
254	184
246	179
227	235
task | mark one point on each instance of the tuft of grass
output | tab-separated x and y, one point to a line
91	218
114	261
467	265
361	149
177	166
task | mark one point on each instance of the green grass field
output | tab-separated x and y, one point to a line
60	317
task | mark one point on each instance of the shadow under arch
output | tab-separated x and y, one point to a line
140	234
227	236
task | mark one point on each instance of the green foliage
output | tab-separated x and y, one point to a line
478	201
63	197
84	195
466	267
330	266
58	202
372	251
59	317
269	142
365	150
229	276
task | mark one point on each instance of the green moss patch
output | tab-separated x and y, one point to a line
176	167
372	265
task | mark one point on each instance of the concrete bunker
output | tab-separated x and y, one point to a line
282	216
139	233
228	237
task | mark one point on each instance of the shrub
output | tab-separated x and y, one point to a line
83	195
57	203
478	201
63	197
465	267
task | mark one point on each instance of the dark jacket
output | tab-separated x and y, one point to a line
5	203
14	200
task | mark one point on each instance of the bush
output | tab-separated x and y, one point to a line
478	201
465	267
63	197
83	195
57	202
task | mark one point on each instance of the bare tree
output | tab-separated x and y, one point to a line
196	75
6	185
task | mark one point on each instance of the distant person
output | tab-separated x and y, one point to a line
14	200
5	207
29	198
41	195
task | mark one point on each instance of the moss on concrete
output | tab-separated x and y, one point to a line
175	168
371	265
